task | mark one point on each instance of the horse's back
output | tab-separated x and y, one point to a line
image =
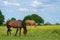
14	23
30	21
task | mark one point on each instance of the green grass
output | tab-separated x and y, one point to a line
38	33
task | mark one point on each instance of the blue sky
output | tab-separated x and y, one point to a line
49	10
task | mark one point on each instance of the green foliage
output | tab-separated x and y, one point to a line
56	31
13	18
27	18
35	17
57	24
1	18
47	23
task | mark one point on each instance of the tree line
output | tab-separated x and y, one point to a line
39	20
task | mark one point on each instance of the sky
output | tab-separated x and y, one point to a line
49	10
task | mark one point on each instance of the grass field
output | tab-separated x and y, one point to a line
39	33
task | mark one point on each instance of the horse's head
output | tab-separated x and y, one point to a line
25	32
24	27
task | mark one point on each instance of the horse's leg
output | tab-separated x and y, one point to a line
34	25
16	32
20	31
10	31
7	31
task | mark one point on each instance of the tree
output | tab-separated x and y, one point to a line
37	18
57	24
34	17
13	18
47	23
1	18
27	18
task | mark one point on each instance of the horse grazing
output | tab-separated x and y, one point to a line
18	24
31	22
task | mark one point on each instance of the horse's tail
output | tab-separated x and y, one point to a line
8	27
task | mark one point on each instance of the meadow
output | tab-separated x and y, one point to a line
49	32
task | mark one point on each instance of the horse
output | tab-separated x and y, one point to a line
18	24
31	22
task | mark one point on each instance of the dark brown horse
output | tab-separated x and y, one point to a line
18	24
31	22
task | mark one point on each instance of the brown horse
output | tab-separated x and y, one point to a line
18	24
31	22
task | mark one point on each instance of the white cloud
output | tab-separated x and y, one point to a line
36	3
34	10
50	8
23	9
11	3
